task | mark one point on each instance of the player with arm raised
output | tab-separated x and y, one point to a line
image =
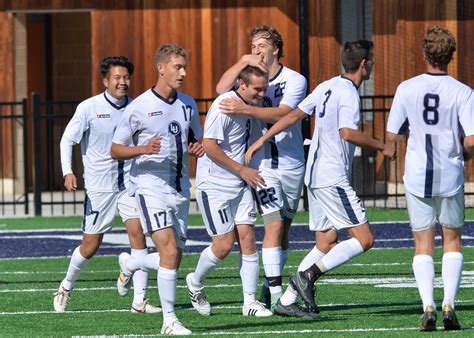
438	111
164	124
281	162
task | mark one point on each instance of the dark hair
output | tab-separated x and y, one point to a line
271	34
438	46
246	73
110	61
354	52
164	52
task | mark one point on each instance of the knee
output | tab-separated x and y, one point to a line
367	242
222	249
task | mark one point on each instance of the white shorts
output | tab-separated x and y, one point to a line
225	207
282	193
127	206
159	210
424	213
335	207
99	212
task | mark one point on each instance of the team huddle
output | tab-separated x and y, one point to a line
251	159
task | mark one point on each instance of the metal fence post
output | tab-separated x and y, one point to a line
37	151
26	161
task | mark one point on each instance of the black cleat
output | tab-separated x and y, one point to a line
450	320
304	287
265	296
292	310
428	319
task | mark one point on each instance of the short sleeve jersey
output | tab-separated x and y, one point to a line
336	105
93	126
177	122
285	150
232	133
437	110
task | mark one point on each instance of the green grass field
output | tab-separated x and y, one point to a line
375	294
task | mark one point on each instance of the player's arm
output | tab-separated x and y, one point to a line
469	146
286	122
124	152
237	106
215	153
228	79
360	139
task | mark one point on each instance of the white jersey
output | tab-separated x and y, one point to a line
177	123
232	133
285	150
93	126
336	104
438	110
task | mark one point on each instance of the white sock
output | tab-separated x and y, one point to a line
340	254
451	272
249	276
271	258
290	295
151	262
423	268
77	263
140	278
206	264
167	280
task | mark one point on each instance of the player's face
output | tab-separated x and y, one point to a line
264	47
255	90
173	72
117	82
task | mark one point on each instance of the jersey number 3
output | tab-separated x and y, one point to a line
430	113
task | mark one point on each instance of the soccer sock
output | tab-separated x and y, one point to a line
290	295
77	263
451	271
206	264
151	262
167	280
249	276
140	278
423	268
271	258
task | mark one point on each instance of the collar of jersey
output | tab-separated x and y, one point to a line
436	74
278	73
240	97
114	105
162	98
346	78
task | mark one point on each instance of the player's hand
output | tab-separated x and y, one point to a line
70	182
389	151
153	146
233	106
196	149
252	150
255	61
252	177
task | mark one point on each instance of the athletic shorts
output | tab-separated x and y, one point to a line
127	206
99	211
335	207
282	193
424	213
223	207
160	210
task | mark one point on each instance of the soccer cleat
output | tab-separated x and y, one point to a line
305	289
266	296
256	309
145	307
292	310
450	320
124	279
428	319
174	328
61	299
198	297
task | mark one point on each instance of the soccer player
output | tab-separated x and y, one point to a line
438	111
224	195
163	123
282	161
333	203
93	126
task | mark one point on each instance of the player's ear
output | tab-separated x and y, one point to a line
105	81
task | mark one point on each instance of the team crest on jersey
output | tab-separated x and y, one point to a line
174	128
103	116
155	113
266	102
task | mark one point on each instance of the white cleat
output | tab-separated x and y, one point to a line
124	279
145	307
198	297
61	299
174	328
256	309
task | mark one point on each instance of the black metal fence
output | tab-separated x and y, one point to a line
377	181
